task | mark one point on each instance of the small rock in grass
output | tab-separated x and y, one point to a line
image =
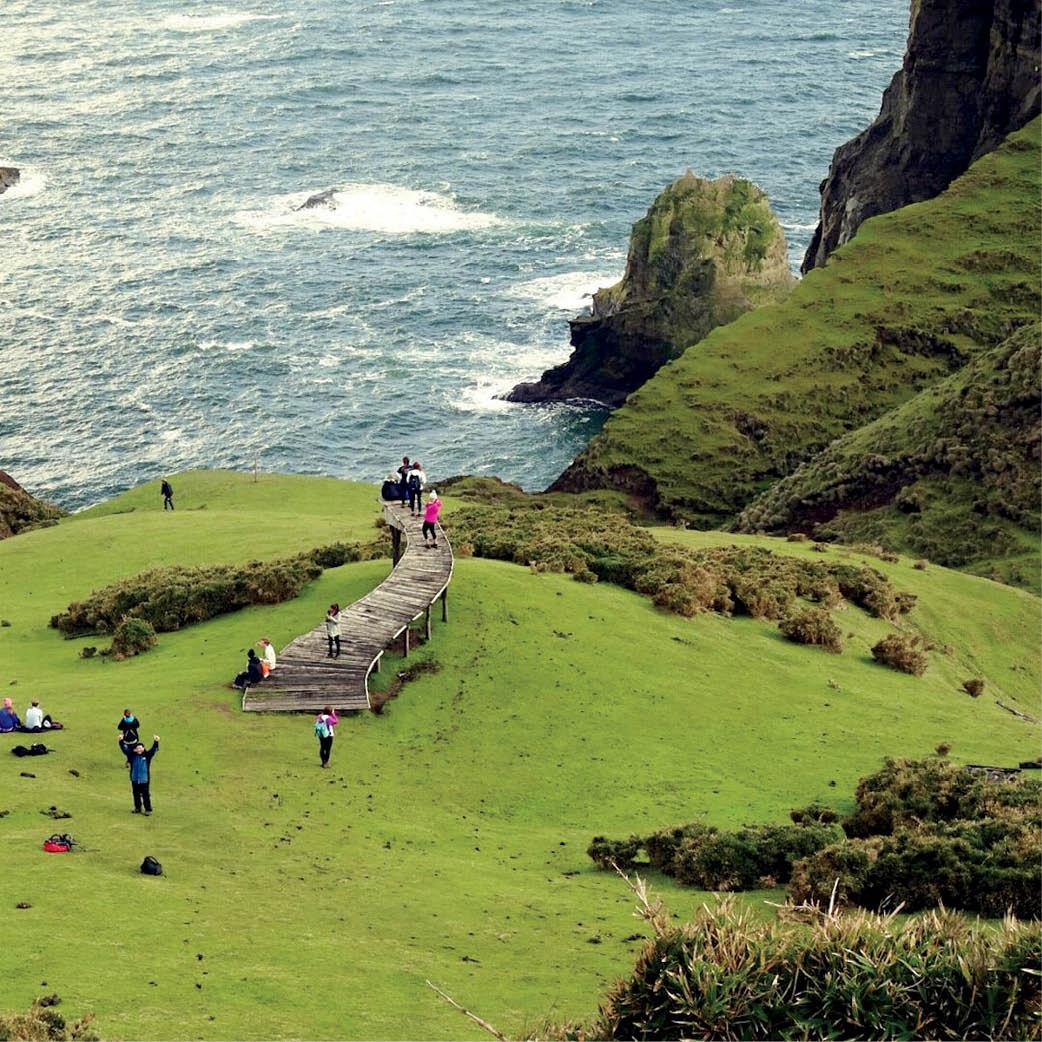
24	904
26	774
74	772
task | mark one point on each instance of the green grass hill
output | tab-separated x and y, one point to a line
952	475
448	841
915	296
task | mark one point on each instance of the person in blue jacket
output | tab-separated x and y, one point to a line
141	775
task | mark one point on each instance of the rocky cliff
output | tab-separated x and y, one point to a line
970	77
9	177
20	511
706	252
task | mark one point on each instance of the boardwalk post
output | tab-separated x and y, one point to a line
405	642
445	605
396	544
427	623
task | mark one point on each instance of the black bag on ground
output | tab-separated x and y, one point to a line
38	749
151	867
19	750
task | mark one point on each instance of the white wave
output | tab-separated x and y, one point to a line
795	226
571	291
231	346
859	55
373	208
195	23
177	434
31	183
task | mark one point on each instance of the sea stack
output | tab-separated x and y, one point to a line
9	177
970	77
707	251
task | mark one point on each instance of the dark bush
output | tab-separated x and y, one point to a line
132	637
836	873
974	686
623	852
813	626
663	846
813	813
902	653
43	1023
729	975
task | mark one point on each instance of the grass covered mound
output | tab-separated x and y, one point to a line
21	512
953	474
727	975
593	545
447	840
913	297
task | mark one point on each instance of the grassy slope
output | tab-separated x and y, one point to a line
322	900
913	290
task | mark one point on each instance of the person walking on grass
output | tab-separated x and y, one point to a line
325	723
141	775
430	521
168	495
417	479
333	630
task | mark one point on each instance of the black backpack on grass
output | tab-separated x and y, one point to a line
151	867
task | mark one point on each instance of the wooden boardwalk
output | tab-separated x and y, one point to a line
306	679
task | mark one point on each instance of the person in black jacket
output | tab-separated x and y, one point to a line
252	674
141	775
168	495
128	727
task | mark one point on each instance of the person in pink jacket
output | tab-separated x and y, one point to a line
430	521
325	722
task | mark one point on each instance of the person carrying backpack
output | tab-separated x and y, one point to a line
168	495
141	775
417	479
325	722
128	727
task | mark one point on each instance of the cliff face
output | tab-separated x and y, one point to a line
970	77
706	252
20	511
9	177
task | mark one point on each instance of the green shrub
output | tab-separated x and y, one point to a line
43	1023
662	846
623	852
170	598
903	653
729	975
813	812
835	874
132	637
813	626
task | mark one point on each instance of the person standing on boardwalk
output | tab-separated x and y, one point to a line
403	482
168	495
141	775
417	479
325	723
333	630
430	520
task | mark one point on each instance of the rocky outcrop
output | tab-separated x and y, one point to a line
20	511
970	77
9	177
706	252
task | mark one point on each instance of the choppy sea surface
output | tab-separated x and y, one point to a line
163	305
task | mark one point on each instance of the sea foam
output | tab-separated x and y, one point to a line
31	183
571	291
373	208
195	23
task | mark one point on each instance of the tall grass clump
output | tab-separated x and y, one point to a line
729	975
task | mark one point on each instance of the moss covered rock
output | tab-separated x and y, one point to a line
20	511
705	253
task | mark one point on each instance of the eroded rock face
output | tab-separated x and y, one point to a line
9	177
970	77
19	511
706	252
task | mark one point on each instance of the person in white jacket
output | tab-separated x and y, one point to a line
417	479
34	717
268	652
333	630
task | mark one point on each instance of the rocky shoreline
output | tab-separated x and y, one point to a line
9	177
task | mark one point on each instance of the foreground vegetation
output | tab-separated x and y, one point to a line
447	840
726	975
915	296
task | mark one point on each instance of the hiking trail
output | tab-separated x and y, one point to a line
306	680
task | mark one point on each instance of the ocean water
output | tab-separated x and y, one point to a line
163	305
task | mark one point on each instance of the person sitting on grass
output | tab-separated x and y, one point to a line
9	718
430	520
252	674
268	653
37	720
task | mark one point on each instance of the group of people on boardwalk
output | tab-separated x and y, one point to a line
407	486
